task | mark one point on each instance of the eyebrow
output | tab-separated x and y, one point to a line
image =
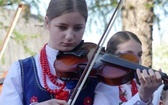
74	25
129	51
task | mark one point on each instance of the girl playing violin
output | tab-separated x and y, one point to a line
33	80
130	93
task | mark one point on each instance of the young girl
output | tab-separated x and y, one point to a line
34	80
130	93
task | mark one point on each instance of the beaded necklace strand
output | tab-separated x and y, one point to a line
59	93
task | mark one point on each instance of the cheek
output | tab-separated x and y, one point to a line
79	38
55	37
55	33
79	35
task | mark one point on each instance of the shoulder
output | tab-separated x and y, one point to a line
106	95
15	68
99	99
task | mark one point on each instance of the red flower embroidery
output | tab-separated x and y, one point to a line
33	99
87	101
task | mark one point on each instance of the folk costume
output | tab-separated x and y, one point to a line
33	80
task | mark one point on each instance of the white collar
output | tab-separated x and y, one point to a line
51	53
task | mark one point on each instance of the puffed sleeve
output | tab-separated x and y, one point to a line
157	95
109	95
106	95
11	93
155	100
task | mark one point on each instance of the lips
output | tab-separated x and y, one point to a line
68	44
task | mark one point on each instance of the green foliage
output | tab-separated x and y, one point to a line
104	8
13	2
28	4
101	10
149	5
22	39
18	37
9	2
3	60
1	25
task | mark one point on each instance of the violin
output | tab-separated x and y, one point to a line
70	65
119	69
110	69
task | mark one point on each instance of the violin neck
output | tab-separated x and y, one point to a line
115	60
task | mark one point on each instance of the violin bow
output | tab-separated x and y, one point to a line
93	58
7	37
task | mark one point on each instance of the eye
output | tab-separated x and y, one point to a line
62	28
77	28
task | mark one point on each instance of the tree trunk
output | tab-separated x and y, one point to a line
137	17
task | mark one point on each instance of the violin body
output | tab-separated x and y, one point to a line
117	71
70	65
114	75
110	73
67	67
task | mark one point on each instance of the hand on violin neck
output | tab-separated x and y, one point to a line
150	81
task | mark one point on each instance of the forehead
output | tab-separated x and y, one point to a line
130	46
70	18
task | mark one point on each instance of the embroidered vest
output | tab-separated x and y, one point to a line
34	92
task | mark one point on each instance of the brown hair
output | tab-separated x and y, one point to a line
119	38
57	8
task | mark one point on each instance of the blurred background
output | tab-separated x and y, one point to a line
146	18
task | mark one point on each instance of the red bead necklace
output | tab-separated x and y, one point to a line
134	90
59	93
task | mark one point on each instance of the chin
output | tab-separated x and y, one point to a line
67	49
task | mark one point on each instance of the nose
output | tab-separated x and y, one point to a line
69	35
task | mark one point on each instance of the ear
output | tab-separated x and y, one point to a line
46	22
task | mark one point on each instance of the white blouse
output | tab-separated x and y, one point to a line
12	89
109	95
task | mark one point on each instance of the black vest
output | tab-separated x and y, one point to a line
34	92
